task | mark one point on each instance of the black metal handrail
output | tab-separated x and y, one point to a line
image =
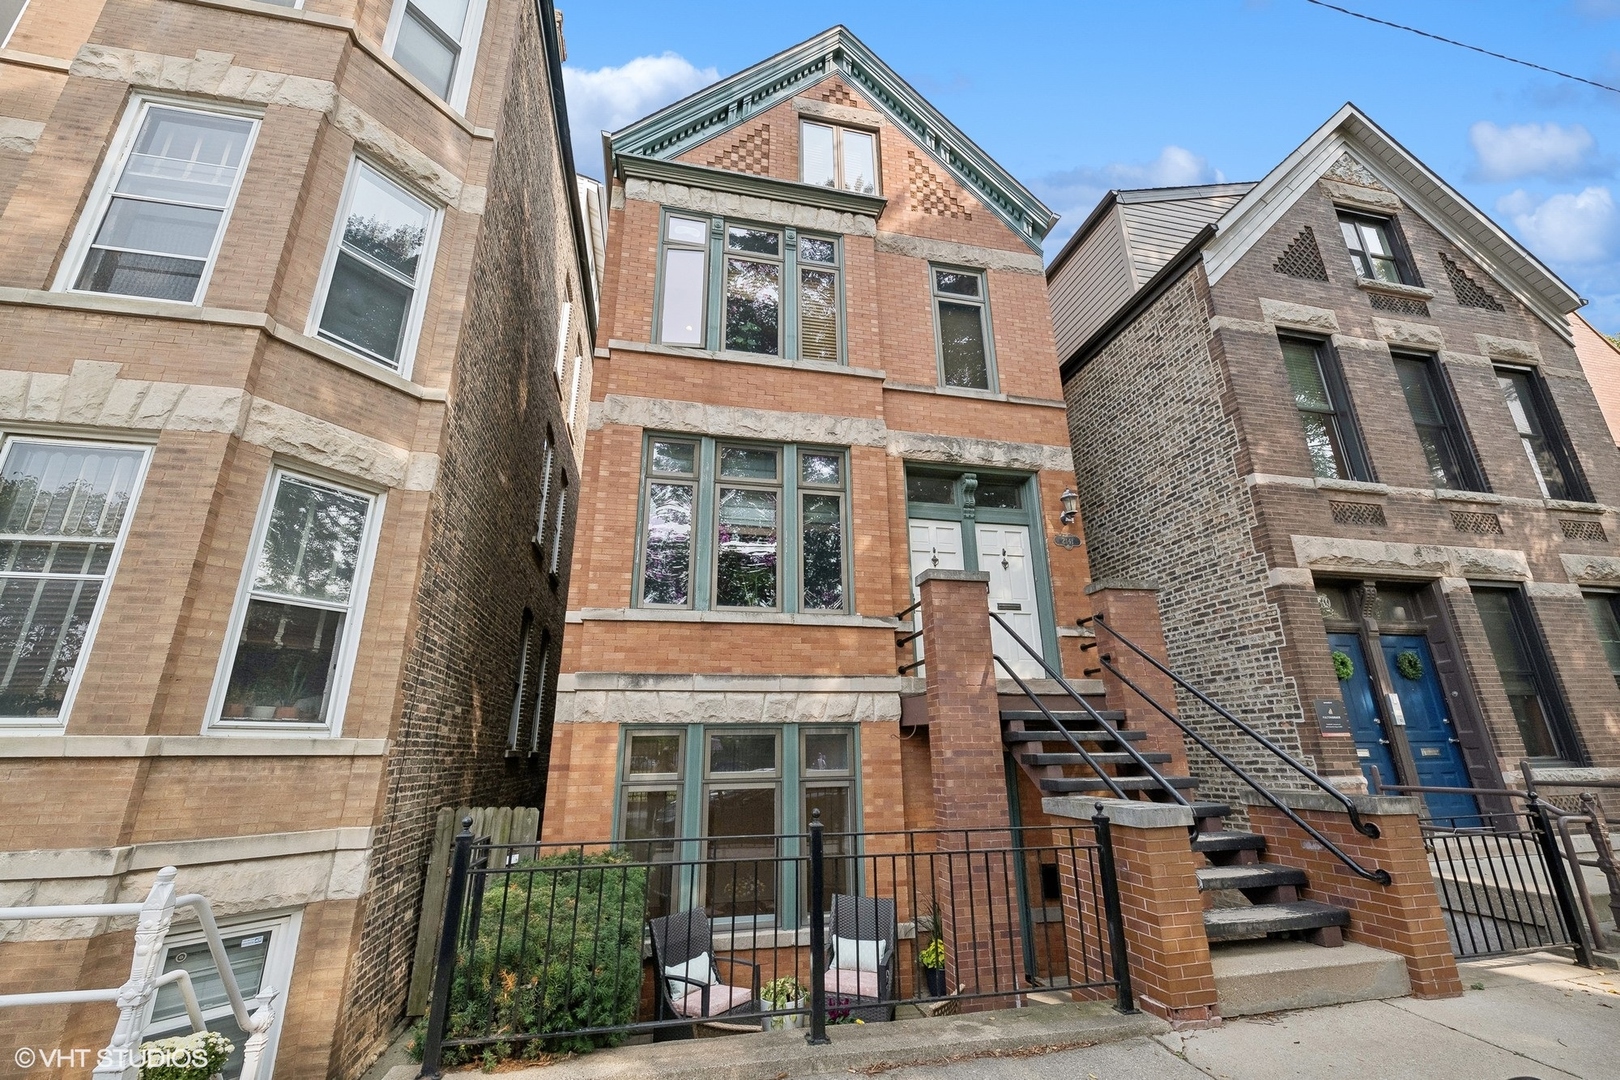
1096	717
1365	828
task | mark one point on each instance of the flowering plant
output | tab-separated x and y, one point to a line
197	1056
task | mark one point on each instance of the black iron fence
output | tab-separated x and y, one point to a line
549	948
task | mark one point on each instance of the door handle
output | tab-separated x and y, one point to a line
1454	742
1383	742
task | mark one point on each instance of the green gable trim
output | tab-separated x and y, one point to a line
765	187
674	130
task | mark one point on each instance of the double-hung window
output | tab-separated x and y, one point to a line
750	289
1445	447
295	627
1605	610
838	157
744	526
515	728
1521	660
64	511
962	327
377	270
540	691
1375	251
435	40
545	492
1324	413
1543	441
159	211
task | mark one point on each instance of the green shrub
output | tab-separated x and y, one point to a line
197	1056
567	957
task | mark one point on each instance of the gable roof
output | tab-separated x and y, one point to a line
677	128
1419	188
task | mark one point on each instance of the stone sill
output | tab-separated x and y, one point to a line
143	746
1443	494
1574	507
1456	495
58	863
729	684
35	60
1389	288
1359	487
975	395
740	358
770	618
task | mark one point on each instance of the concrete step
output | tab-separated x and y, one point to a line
1202	811
1113	757
1068	717
1252	876
1067	784
1256	920
1271	976
1086	735
1208	843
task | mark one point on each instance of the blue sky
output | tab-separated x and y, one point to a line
1076	98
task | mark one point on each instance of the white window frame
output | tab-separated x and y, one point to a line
338	691
472	34
838	130
545	492
573	392
5	38
34	725
101	192
430	250
565	325
555	567
278	968
515	729
540	692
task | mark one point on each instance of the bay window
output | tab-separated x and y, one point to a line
293	632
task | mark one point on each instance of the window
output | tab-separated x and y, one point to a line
776	292
962	327
1605	610
1439	431
159	211
260	953
294	635
377	270
545	492
435	40
554	564
558	365
64	512
1319	396
515	728
738	790
1520	659
540	691
10	15
838	157
573	390
1549	454
778	538
1373	249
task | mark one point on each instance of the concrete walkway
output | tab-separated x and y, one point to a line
1531	1016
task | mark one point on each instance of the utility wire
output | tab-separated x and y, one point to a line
1465	45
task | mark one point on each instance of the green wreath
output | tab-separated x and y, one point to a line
1343	666
1409	664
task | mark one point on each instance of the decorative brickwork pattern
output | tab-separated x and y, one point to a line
749	154
1481	524
1302	258
1469	292
1400	305
839	94
1370	515
1583	529
929	195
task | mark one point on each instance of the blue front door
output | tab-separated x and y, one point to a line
1429	730
1372	745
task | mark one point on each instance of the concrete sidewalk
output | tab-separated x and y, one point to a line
1533	1015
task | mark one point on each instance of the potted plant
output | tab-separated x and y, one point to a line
198	1056
781	994
932	960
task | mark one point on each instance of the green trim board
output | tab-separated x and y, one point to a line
738	183
677	128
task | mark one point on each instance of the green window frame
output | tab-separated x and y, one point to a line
755	289
670	783
734	525
963	341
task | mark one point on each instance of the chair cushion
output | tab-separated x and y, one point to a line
722	999
699	969
851	983
859	954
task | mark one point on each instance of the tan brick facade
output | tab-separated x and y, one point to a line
327	828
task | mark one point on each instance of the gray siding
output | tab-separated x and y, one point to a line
1157	231
1090	286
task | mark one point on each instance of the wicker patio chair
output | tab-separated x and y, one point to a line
852	981
678	940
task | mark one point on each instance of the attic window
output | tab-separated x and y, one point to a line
1373	249
838	157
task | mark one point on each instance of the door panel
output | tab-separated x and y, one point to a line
1430	731
935	545
1004	554
1366	727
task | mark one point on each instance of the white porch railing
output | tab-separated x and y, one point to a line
120	1060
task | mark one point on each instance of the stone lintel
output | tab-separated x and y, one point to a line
1121	584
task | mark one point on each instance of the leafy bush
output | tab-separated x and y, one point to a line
197	1056
558	949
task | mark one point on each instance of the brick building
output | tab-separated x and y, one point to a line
1600	359
297	317
1337	418
826	365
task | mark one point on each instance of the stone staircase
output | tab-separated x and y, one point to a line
1271	906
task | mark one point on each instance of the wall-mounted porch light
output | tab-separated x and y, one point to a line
1071	506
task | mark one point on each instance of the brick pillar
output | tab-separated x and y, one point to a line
976	895
1160	904
1403	917
1132	608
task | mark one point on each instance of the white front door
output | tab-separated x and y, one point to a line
935	545
1004	553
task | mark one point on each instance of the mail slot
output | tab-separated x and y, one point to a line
1009	607
1362	751
1429	751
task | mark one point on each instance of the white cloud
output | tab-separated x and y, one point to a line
1518	150
1581	227
1073	193
611	97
